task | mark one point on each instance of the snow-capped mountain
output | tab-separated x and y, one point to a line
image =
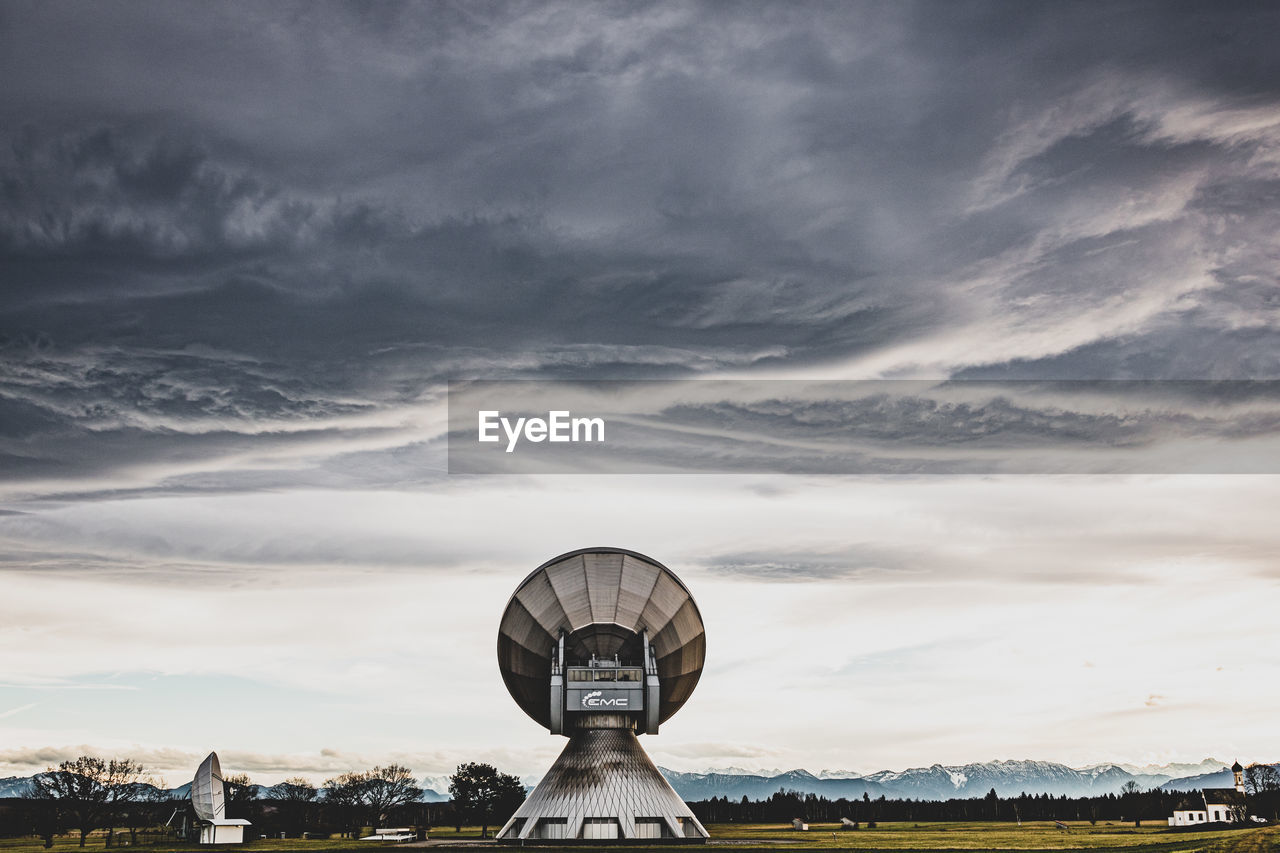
1224	778
1154	775
940	782
742	771
839	774
14	786
1008	778
1176	770
435	789
754	786
438	783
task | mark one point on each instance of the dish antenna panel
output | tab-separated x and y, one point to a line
208	794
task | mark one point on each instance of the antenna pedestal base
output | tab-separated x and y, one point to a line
603	787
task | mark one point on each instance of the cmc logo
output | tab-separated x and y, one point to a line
595	700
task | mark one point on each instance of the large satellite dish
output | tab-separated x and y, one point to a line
599	645
208	795
604	600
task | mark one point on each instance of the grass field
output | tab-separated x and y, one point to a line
977	835
922	837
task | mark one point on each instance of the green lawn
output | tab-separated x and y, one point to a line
96	844
977	835
471	833
729	837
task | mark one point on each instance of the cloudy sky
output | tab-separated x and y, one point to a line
243	248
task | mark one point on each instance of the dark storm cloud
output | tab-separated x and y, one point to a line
222	216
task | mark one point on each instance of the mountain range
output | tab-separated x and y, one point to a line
940	782
936	782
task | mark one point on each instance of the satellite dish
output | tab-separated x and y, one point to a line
605	600
208	796
599	645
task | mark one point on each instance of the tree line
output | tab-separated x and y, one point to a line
1131	804
89	794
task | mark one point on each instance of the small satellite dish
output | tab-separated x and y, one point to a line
208	795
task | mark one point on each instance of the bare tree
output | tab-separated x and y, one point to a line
239	789
345	794
387	788
46	814
294	790
344	789
77	792
126	783
1129	794
143	809
89	791
295	797
1261	778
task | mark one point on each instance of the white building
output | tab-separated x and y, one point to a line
223	830
1215	805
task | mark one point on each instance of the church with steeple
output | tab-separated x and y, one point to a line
1215	805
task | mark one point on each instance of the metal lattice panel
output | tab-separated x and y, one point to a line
603	775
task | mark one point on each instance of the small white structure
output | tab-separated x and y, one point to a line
845	823
223	830
1216	805
799	825
209	799
399	833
